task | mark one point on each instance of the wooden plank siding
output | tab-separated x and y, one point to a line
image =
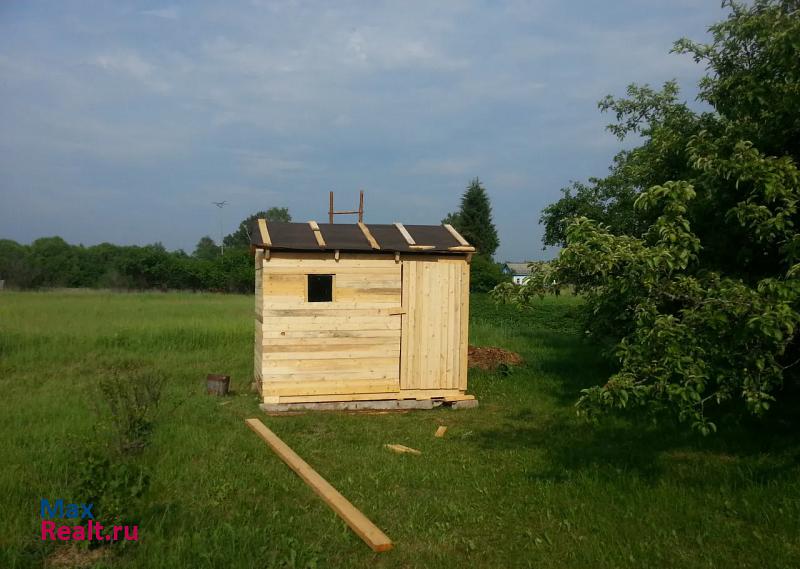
393	329
434	342
348	345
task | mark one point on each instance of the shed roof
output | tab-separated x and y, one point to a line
429	239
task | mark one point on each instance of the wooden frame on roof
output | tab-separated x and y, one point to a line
365	230
317	233
358	237
262	226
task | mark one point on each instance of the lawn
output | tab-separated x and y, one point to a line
518	482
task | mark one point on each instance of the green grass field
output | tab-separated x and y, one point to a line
518	482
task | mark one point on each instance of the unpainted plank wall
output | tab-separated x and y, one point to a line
353	344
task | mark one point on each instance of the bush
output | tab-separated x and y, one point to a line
114	485
485	274
130	399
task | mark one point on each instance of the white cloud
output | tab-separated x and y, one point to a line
264	165
446	166
131	65
167	13
411	98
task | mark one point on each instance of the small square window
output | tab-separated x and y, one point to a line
320	288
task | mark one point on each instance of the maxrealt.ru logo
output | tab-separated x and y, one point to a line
51	531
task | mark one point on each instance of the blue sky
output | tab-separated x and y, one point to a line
123	121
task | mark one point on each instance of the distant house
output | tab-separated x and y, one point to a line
517	271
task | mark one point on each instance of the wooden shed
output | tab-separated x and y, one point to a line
351	312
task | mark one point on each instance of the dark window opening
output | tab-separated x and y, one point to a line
320	288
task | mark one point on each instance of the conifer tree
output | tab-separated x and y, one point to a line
474	219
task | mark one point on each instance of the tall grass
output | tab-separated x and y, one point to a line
518	482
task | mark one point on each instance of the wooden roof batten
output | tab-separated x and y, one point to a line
358	237
404	232
463	244
412	244
365	230
317	233
262	227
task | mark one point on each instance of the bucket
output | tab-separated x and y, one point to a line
217	384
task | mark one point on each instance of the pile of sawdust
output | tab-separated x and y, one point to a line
488	358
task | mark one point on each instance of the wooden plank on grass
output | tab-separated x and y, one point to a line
358	522
440	432
403	449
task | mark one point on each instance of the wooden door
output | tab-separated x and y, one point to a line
434	327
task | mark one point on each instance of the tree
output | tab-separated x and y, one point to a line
485	274
241	237
698	297
451	219
474	219
206	249
665	123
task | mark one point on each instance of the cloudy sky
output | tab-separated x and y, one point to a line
123	121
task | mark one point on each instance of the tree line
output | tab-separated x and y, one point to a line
51	262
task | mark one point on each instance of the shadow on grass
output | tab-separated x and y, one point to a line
743	451
624	447
562	363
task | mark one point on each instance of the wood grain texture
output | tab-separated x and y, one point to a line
343	387
404	232
317	233
352	516
365	230
403	449
461	241
445	394
392	328
431	337
262	228
464	339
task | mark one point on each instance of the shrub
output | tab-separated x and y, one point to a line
130	400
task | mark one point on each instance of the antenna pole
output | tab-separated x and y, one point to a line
220	205
361	207
330	211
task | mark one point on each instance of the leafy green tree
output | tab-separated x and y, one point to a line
474	219
665	123
54	263
206	249
15	266
699	297
241	237
485	274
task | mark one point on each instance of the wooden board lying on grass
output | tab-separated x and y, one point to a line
358	522
403	449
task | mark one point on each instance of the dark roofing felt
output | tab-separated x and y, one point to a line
349	237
